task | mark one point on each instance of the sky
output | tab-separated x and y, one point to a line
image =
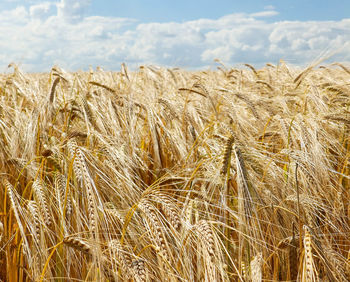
76	35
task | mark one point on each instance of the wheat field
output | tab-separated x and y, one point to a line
234	174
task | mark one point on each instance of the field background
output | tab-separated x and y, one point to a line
172	175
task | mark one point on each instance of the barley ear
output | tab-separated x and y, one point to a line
139	269
39	192
256	268
227	155
309	271
53	88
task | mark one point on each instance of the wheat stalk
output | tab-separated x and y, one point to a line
293	258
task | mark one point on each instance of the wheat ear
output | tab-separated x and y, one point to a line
169	107
15	206
309	271
78	244
39	192
33	211
256	268
89	113
253	70
83	176
64	200
343	67
207	236
84	247
227	155
169	208
109	89
301	76
146	207
78	160
139	269
53	88
118	253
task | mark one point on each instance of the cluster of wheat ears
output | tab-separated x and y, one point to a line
163	174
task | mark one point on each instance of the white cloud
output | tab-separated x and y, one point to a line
264	14
41	11
269	7
14	17
46	34
72	10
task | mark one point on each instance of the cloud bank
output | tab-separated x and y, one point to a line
47	33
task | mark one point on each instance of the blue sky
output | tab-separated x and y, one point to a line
180	10
76	34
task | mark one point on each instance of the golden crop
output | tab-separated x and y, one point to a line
172	175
